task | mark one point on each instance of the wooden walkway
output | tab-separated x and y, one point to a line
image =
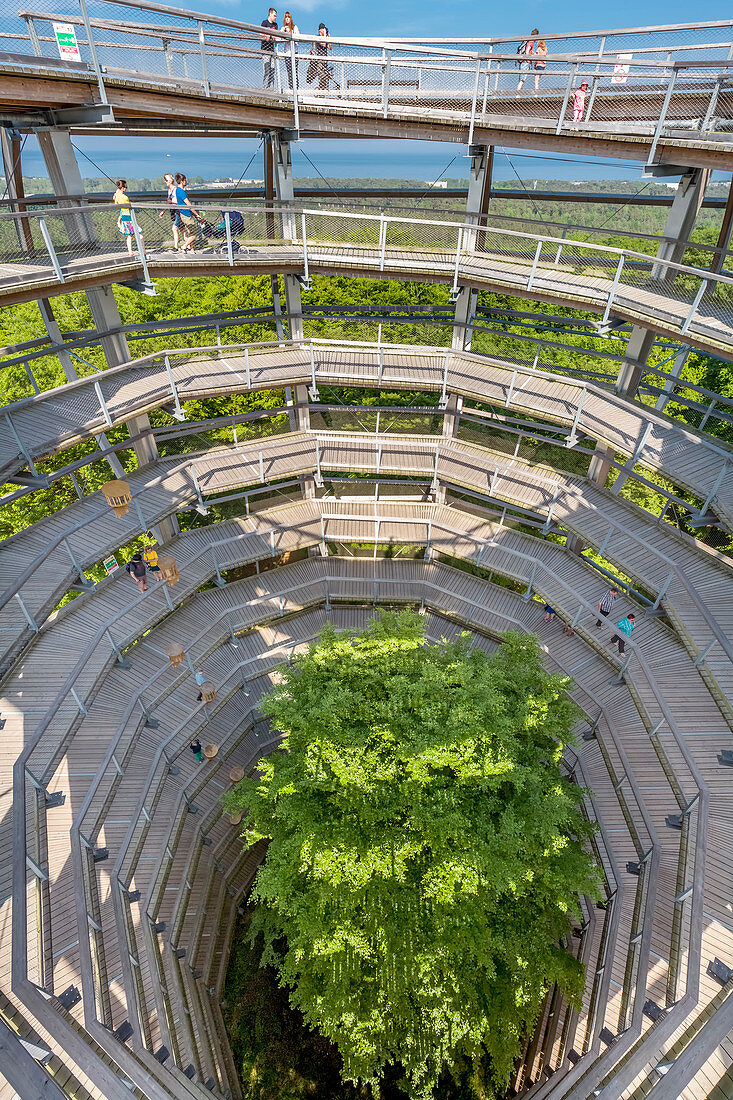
58	418
580	282
90	776
519	123
692	583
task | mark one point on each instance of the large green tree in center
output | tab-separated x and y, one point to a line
425	851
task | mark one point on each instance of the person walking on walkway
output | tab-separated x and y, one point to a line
525	50
606	602
175	216
268	48
124	219
579	101
294	32
200	679
196	749
138	571
320	49
549	615
539	65
188	216
624	628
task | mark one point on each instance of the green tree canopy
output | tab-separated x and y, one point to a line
426	851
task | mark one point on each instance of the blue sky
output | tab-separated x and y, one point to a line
468	18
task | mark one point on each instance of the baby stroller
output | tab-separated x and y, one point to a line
218	232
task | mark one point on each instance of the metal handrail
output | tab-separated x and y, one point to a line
430	443
466	229
462	534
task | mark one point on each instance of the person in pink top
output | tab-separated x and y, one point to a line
579	101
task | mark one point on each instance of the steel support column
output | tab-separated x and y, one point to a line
463	318
68	186
10	146
479	194
284	192
678	227
474	240
723	242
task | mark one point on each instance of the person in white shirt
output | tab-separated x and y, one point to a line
291	28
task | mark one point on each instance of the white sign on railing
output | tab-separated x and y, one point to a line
621	70
66	42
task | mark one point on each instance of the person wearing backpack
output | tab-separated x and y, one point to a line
525	51
138	570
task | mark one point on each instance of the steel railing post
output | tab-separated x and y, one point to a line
459	246
230	250
530	280
219	580
196	485
77	700
573	437
386	82
592	98
566	97
319	478
29	618
546	525
528	591
382	240
204	64
102	403
93	50
247	369
663	114
33	35
707	122
86	583
695	304
140	248
473	100
178	412
614	287
51	250
21	447
294	69
305	249
714	491
123	662
708	414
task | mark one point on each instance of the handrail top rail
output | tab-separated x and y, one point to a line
295	211
188	13
187	35
256	348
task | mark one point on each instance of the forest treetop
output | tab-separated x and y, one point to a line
426	852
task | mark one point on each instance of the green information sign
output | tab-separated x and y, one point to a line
111	565
66	42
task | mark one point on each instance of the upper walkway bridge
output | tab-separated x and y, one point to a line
658	94
49	252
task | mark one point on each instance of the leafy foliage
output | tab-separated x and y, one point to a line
425	849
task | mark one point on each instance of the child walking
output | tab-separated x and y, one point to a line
124	220
579	101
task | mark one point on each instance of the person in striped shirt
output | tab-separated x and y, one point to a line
606	602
